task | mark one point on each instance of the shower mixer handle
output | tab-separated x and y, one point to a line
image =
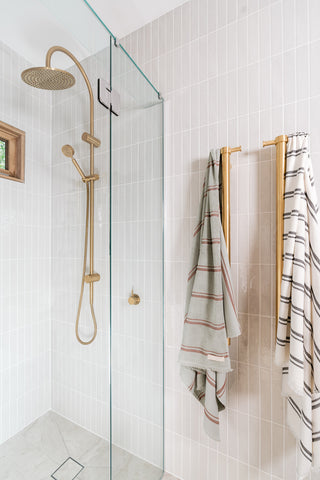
134	298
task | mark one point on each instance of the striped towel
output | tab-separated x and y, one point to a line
210	307
298	335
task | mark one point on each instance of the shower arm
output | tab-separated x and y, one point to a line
93	142
50	52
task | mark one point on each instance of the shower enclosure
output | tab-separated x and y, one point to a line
71	410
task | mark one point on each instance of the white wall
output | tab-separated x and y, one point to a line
25	241
232	72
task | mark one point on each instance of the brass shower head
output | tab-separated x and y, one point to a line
48	78
68	151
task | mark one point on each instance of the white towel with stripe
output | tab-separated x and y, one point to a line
298	333
210	315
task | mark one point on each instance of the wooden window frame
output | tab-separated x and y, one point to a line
15	139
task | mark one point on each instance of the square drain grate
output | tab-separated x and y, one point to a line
69	470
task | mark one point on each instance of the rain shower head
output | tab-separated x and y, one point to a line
48	78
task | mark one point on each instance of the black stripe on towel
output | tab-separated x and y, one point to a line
307	389
306	421
297	336
294	173
295	361
305	451
295	153
294	406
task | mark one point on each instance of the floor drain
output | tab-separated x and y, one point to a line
69	470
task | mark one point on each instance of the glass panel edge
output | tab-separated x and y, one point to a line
122	48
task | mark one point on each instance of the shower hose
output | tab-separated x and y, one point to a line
83	281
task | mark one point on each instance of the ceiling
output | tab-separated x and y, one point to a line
43	23
125	16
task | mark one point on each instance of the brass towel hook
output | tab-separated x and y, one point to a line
225	154
134	298
280	143
225	210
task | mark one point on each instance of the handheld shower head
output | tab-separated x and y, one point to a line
68	151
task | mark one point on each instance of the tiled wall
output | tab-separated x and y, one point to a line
80	388
137	223
25	219
232	73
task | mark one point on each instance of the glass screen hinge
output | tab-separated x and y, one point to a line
107	97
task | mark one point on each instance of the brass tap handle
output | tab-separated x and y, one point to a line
134	299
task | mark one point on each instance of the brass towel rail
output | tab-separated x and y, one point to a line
281	148
225	160
225	208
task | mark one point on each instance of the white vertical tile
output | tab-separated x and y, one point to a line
256	84
25	264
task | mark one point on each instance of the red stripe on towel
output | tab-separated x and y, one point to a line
210	241
202	268
213	213
211	163
210	189
211	417
220	392
211	381
208	268
192	272
192	384
205	323
209	296
202	351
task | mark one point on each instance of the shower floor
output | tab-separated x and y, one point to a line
52	442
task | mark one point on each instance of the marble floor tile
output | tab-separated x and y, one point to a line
21	459
6	470
45	435
42	447
97	456
77	440
135	468
120	459
94	473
